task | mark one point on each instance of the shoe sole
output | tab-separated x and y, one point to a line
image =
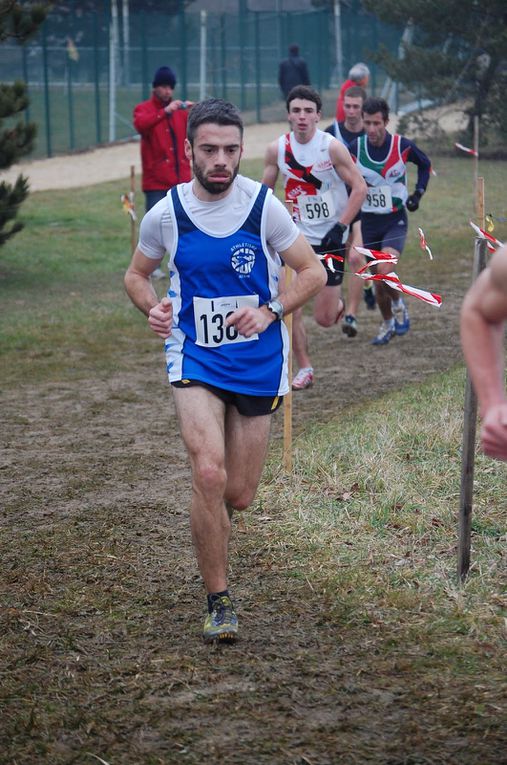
223	637
383	342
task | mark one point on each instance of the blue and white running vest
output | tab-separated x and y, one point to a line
212	276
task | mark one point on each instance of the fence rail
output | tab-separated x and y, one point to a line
85	73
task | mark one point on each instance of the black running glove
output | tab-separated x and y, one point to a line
413	201
335	237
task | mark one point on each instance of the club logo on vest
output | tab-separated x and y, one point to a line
394	172
320	167
243	258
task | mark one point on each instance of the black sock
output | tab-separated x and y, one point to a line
212	596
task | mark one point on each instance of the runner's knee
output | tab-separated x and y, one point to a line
241	499
209	478
326	317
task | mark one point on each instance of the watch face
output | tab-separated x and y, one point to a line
277	308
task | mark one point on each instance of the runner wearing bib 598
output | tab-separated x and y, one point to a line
316	170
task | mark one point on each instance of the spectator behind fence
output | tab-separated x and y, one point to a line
161	122
359	74
292	71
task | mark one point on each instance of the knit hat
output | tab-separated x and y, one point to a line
164	76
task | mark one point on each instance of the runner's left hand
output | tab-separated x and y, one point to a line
249	321
335	237
412	202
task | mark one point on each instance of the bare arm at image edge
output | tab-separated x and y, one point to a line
483	316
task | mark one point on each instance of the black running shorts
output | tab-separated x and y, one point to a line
380	231
248	406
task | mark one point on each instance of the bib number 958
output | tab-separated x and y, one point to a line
378	199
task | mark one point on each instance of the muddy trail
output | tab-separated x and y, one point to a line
103	660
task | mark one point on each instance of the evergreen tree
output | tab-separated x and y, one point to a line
459	50
18	21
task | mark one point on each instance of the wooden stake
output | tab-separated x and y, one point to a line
468	452
133	232
287	401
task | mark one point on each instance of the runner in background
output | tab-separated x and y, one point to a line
316	170
347	131
381	159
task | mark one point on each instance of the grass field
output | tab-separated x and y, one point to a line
361	649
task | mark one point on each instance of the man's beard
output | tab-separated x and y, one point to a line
213	187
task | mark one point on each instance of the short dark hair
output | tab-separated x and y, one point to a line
373	105
356	91
305	92
294	49
213	110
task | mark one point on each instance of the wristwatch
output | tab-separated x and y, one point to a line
275	307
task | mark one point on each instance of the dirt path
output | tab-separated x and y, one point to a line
103	619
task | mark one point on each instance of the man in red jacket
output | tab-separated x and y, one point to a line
359	74
162	123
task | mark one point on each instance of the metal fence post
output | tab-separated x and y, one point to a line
257	68
223	56
96	77
183	49
49	147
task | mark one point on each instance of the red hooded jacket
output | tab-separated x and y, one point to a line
162	145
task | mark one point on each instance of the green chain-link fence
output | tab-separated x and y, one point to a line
86	71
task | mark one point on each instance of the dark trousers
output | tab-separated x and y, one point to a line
152	197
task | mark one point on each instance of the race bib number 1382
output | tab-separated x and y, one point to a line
210	316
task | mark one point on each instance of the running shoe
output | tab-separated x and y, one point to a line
386	332
401	318
221	625
303	379
349	325
369	297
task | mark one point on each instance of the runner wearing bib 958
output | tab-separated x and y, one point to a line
327	191
226	346
381	159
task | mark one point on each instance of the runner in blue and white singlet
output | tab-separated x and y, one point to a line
225	341
215	272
